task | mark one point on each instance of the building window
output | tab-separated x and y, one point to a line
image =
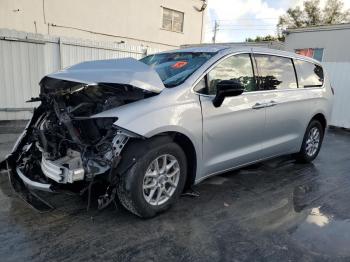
173	20
315	53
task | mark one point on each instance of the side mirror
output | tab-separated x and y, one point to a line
226	88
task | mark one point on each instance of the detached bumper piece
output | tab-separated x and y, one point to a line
23	187
33	184
64	170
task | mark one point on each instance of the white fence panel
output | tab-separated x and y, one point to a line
22	65
79	50
340	80
25	58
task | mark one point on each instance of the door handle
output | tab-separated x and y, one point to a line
259	105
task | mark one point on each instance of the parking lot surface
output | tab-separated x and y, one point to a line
274	211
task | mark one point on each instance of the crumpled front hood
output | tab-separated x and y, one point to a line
128	71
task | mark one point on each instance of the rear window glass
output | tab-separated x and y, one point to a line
275	72
309	74
175	68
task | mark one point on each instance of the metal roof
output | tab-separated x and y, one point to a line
343	26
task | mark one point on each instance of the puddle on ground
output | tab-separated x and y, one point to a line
324	234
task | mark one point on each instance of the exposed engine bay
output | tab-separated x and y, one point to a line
64	142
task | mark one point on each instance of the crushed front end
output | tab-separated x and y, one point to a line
64	144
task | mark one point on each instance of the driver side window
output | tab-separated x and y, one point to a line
237	67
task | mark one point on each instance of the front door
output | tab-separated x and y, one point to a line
234	132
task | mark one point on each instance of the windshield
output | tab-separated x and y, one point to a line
175	68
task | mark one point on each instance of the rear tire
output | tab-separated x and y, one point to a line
155	181
312	142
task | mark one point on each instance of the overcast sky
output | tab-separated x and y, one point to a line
239	19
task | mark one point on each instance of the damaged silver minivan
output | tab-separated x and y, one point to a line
149	129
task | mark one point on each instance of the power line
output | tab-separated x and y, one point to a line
248	23
236	29
244	29
244	26
244	19
222	27
235	20
219	28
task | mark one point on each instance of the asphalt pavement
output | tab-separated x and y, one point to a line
274	211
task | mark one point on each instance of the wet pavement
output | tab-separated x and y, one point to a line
274	211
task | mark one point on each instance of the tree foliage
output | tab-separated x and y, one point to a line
333	14
311	14
268	38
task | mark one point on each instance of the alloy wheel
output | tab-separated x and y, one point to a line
313	141
161	179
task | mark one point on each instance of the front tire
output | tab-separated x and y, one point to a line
312	142
155	181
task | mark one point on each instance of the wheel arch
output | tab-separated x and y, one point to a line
321	118
190	151
137	147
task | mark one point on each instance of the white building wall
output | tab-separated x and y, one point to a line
335	41
340	79
134	21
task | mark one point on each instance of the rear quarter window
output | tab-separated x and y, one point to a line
309	74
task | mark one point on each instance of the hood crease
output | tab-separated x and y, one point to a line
128	71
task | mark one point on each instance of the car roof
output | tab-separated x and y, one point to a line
216	48
199	49
284	54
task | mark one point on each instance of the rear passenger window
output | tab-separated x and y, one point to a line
275	72
309	74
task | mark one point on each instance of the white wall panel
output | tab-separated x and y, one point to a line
25	58
340	80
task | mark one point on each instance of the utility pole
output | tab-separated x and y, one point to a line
216	28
